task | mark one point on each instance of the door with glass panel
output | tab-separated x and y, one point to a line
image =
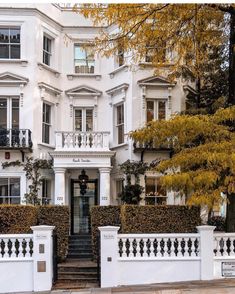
9	121
83	119
81	205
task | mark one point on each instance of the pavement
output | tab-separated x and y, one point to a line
203	287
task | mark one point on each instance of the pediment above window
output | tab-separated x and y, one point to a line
156	81
83	91
7	78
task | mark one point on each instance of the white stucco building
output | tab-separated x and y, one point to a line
61	102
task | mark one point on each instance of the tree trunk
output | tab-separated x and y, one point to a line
198	89
231	98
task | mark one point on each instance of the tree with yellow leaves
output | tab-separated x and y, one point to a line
202	162
177	36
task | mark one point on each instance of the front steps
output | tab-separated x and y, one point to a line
78	271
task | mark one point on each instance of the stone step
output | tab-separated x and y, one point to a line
77	251
80	237
80	242
77	275
74	285
80	246
74	269
80	255
71	279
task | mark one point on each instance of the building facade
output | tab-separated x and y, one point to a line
60	100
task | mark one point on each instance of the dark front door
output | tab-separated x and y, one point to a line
80	206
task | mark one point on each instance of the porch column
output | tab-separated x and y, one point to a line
59	186
105	185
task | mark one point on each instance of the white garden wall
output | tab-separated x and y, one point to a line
26	261
130	259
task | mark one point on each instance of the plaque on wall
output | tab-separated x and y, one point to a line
228	269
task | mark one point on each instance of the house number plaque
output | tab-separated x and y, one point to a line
41	266
228	269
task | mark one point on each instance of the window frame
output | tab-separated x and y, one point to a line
45	52
9	111
84	117
44	123
120	125
46	187
156	108
9	197
9	44
157	198
86	59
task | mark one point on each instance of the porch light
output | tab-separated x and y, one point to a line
83	178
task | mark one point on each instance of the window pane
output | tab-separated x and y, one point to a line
14	187
79	53
4	51
46	113
15	51
120	134
150	111
89	120
3	187
4	35
3	113
14	200
120	114
46	134
78	120
84	60
46	58
14	35
47	44
161	110
150	187
15	113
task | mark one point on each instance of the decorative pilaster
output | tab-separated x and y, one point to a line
104	185
59	186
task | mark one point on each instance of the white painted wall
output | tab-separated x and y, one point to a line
68	28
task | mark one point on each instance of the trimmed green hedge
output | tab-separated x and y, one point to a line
17	219
103	216
58	216
144	219
159	219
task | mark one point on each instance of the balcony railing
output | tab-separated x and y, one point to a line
15	138
150	146
82	141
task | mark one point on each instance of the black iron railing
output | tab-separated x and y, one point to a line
15	138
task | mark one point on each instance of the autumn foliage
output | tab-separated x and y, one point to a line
202	165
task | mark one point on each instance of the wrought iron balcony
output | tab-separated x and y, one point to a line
150	146
15	139
82	141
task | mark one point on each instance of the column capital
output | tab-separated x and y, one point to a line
59	169
105	169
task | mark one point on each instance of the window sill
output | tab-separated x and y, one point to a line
23	62
44	66
119	146
85	75
120	68
46	145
